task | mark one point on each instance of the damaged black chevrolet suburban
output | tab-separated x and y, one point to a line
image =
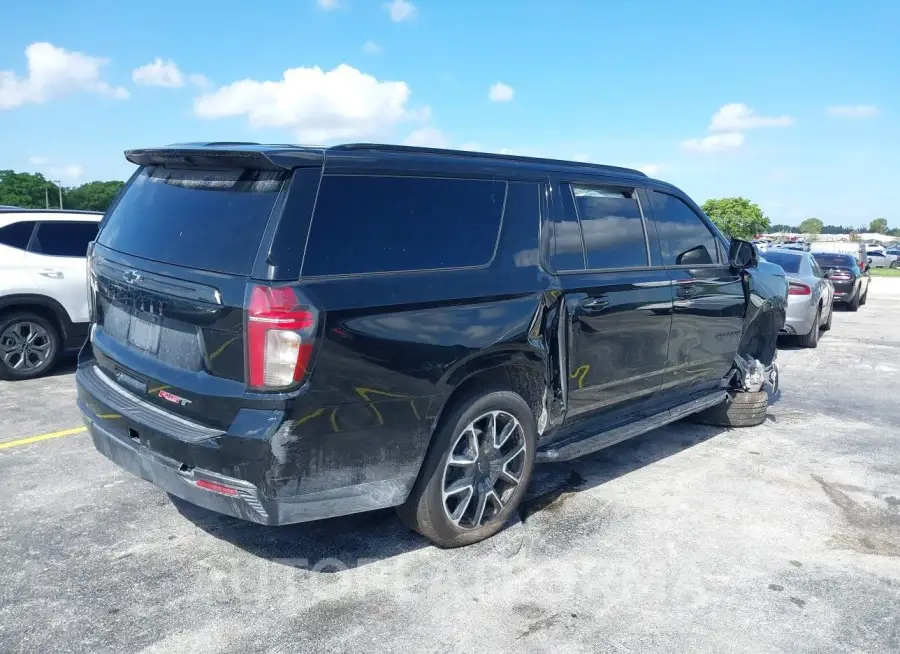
285	333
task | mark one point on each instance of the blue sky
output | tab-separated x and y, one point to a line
795	107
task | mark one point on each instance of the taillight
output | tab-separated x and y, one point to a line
280	336
796	288
91	279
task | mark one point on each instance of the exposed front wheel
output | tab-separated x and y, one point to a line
741	409
29	345
476	472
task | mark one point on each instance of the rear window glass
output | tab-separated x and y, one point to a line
369	224
789	262
834	260
17	235
205	219
64	239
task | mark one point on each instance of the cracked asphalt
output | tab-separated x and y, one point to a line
780	538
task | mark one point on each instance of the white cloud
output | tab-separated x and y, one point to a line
852	111
370	47
158	73
501	92
586	158
740	117
472	146
715	143
38	161
328	5
428	137
401	10
318	106
651	169
54	73
199	80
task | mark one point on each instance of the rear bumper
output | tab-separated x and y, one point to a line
844	291
799	318
131	434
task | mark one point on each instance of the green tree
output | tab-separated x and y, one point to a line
811	226
781	228
93	196
27	190
878	226
736	217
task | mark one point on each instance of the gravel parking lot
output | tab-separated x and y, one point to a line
785	537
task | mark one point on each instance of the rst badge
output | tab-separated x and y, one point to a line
175	399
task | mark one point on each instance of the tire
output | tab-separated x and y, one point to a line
428	512
827	326
811	338
40	354
741	409
864	298
895	264
854	304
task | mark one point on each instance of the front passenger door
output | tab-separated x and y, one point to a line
708	319
619	306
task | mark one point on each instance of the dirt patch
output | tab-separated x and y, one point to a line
873	522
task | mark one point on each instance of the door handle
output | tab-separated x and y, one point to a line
52	273
594	304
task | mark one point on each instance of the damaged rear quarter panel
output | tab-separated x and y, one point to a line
394	348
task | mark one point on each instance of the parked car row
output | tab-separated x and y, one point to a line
817	281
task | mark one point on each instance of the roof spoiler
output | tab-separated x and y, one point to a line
202	157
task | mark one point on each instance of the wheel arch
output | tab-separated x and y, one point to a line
42	305
522	371
760	339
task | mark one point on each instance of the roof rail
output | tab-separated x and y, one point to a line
77	211
490	155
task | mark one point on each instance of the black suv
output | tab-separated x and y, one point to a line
285	333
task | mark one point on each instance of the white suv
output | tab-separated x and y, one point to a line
43	287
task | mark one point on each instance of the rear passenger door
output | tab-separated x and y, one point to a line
708	320
618	300
56	258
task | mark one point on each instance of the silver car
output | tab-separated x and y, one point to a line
810	295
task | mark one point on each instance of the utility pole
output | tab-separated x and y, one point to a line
59	188
46	197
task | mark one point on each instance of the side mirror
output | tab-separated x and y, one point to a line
869	260
741	254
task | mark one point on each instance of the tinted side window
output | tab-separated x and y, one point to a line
64	239
374	224
684	238
17	235
566	246
612	226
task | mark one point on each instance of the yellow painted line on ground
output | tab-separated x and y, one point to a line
42	437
